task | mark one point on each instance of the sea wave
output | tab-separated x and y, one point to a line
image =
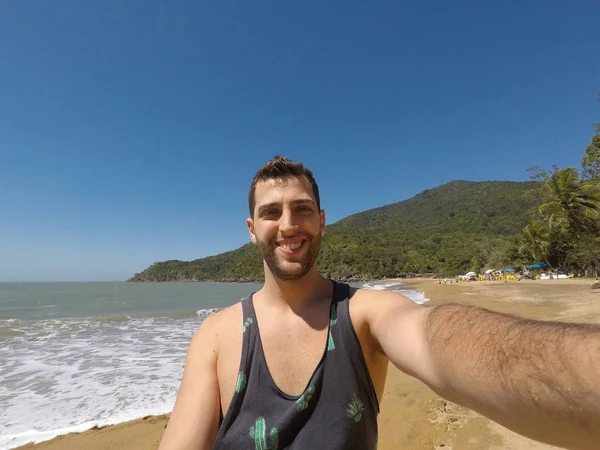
66	375
207	312
416	295
9	331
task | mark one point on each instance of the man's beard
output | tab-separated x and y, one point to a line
287	270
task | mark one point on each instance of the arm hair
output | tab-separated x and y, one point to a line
540	379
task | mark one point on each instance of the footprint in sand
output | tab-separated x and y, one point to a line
447	416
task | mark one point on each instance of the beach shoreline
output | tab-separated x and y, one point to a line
412	416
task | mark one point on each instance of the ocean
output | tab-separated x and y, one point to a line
78	355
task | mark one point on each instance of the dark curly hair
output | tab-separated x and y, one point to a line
280	167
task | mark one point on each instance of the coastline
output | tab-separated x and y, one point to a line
412	416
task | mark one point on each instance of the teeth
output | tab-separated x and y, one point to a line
292	246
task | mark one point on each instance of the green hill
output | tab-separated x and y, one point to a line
450	229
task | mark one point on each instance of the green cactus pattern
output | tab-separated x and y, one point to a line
247	323
330	344
332	322
302	402
258	433
240	385
355	409
333	315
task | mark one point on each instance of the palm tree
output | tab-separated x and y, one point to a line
573	204
535	241
591	159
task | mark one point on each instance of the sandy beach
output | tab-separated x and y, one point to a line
412	416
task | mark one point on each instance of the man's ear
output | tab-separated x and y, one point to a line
322	214
250	225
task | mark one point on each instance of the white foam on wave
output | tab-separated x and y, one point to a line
68	375
207	312
416	295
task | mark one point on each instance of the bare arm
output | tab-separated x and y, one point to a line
195	418
540	379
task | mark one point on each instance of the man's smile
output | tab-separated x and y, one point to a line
291	246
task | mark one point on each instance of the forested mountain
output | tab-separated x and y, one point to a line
447	230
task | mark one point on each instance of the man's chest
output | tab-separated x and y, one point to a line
290	353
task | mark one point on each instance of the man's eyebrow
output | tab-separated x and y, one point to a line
268	205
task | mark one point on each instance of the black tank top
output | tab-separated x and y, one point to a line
337	410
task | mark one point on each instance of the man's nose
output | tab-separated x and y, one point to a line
288	223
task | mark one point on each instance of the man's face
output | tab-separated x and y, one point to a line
287	226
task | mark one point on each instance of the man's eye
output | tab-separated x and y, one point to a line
269	212
305	208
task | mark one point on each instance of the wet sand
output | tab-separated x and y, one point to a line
412	416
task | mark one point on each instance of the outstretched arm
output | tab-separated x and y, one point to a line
540	379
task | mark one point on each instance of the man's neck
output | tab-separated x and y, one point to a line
296	294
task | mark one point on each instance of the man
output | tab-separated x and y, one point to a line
302	362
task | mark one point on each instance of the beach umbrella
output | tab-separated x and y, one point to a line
487	272
538	266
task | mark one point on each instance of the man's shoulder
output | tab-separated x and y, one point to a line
224	320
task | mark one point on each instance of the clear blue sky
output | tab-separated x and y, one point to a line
130	130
